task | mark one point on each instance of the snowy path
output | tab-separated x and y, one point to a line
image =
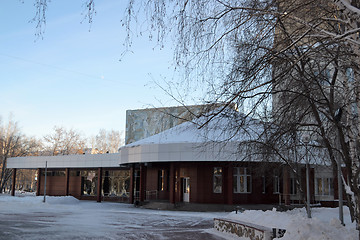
68	218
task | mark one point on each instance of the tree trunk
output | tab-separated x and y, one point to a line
2	176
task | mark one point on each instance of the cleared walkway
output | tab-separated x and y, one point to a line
24	219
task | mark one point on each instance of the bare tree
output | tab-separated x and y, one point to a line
293	64
13	144
297	59
64	142
107	141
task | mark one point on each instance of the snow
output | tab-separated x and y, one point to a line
27	217
324	223
228	126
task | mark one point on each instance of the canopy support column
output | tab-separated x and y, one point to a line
172	183
38	183
13	182
67	177
99	185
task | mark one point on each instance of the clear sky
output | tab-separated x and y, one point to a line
73	77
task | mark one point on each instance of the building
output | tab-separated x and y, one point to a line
181	164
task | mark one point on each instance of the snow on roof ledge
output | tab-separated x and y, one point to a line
184	142
66	161
181	152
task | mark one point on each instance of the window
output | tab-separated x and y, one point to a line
74	173
277	182
161	180
217	180
293	186
242	180
350	74
354	109
323	76
88	183
167	180
53	173
116	183
324	186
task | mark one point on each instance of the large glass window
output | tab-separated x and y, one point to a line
116	183
161	180
217	180
74	173
324	186
242	180
88	183
53	173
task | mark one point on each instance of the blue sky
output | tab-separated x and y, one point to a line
73	77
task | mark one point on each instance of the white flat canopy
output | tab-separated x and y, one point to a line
66	161
184	142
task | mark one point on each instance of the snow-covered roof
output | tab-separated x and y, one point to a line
223	128
216	141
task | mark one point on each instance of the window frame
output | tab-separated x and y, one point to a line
245	186
329	187
293	186
276	183
161	180
217	179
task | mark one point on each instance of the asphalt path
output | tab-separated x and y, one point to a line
102	221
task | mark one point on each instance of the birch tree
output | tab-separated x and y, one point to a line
295	62
107	141
297	59
13	144
64	142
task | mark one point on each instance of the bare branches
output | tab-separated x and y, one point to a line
40	16
106	141
13	144
89	11
64	142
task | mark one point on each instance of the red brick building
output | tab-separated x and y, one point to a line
180	164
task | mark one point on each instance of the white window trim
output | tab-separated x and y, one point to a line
238	176
214	177
276	184
330	190
293	182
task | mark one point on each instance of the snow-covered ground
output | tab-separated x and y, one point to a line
63	218
27	217
324	223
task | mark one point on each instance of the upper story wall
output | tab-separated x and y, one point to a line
143	123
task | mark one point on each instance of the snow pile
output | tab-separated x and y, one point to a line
62	200
324	223
32	199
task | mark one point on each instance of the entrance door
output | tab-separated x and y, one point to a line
186	189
